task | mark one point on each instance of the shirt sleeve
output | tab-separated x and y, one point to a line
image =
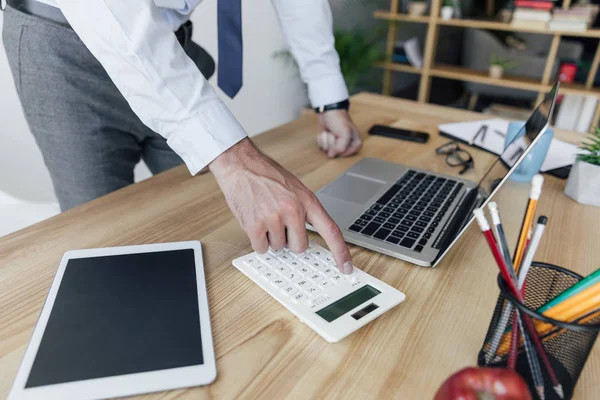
160	82
308	28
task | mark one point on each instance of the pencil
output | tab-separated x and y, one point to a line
485	228
501	238
536	238
571	309
508	308
514	343
534	195
534	365
583	284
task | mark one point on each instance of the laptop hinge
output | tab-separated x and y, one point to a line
458	220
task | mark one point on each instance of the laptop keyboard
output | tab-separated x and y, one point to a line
410	211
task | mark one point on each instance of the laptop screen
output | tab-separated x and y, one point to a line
520	145
512	156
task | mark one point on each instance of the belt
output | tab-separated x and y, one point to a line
35	8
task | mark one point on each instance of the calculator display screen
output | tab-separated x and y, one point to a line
347	303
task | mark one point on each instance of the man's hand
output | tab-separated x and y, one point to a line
339	136
272	205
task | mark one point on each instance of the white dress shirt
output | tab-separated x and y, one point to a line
134	42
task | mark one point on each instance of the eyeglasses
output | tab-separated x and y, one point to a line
456	157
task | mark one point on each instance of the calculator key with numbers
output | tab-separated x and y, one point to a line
312	287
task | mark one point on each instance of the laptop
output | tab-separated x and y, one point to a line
417	215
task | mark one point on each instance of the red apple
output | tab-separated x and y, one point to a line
484	384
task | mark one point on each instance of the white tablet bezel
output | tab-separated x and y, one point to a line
121	385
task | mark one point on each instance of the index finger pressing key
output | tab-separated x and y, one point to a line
327	228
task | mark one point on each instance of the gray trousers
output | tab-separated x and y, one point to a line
90	138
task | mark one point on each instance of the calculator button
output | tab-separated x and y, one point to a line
293	276
324	284
269	259
276	253
328	259
337	278
294	264
315	277
329	272
308	259
300	296
317	265
304	269
279	282
289	290
269	275
282	269
313	290
285	257
252	262
303	283
260	268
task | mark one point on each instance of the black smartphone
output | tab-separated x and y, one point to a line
402	134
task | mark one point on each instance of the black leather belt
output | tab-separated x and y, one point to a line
32	7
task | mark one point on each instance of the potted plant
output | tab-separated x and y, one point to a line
583	185
447	11
497	66
358	50
417	8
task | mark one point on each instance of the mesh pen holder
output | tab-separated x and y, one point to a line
567	345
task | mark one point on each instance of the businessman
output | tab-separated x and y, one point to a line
105	83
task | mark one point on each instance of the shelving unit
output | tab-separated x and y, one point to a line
429	70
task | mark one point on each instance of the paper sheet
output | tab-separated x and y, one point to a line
560	154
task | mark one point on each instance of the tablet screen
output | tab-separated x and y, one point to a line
121	314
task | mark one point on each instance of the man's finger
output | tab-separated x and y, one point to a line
322	222
322	141
297	238
259	242
341	144
355	146
276	235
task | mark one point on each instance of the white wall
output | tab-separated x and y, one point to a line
272	95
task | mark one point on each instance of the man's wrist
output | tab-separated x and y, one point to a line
341	105
231	158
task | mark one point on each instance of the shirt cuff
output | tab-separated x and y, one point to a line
203	137
327	90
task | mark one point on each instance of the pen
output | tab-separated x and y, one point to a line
580	286
485	228
531	250
579	306
534	195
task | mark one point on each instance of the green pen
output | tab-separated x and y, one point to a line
580	286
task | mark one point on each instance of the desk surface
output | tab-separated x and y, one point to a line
262	349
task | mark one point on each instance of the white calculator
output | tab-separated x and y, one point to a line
310	285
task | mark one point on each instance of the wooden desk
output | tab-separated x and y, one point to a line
262	350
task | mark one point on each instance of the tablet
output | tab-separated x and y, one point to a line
121	321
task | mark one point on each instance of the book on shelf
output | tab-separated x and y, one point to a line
529	24
575	19
530	14
570	26
534	4
576	113
408	52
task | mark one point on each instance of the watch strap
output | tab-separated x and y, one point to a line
342	105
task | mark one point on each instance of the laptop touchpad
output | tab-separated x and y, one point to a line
353	189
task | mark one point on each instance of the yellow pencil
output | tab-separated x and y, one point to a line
534	196
570	310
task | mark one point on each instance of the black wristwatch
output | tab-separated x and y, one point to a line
342	105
